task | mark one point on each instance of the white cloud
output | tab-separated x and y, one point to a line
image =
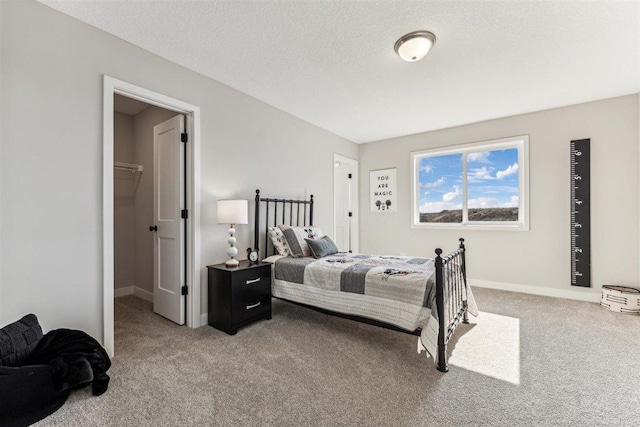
482	202
429	207
435	184
508	171
480	174
478	157
493	187
448	197
426	168
513	203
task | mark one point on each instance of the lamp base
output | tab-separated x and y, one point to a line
232	251
232	263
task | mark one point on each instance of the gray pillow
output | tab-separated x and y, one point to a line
321	247
295	237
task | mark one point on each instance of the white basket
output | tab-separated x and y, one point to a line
621	299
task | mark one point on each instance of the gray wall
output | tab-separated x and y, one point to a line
124	191
51	174
539	258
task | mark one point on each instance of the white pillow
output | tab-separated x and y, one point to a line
272	259
278	240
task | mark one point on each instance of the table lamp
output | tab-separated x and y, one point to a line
232	212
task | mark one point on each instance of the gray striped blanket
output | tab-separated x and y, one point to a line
404	279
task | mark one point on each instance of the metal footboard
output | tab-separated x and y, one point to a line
451	298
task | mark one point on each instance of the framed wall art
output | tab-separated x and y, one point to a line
382	190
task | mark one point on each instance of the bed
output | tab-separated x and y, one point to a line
425	297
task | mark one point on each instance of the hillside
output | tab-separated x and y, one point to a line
484	214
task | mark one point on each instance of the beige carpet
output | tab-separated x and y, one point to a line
529	360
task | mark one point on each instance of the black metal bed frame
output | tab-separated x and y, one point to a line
451	275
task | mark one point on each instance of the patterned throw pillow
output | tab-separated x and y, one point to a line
322	247
18	339
295	239
278	240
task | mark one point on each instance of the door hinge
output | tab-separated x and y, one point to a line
350	214
183	137
349	176
184	213
185	290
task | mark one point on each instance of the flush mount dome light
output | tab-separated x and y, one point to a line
414	46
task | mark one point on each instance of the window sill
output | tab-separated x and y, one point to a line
473	226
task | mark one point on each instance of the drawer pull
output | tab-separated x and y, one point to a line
253	281
249	307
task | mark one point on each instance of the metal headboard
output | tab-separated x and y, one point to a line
279	216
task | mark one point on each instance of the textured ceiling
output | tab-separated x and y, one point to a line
332	63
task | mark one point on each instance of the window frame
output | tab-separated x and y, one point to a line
520	142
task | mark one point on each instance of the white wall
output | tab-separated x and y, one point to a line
51	179
539	258
124	187
143	124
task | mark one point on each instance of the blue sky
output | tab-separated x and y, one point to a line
492	179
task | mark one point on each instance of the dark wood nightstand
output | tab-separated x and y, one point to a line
239	295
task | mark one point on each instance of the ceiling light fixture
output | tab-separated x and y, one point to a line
414	46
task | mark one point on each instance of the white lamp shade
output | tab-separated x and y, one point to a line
233	212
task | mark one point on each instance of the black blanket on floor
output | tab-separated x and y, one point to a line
76	360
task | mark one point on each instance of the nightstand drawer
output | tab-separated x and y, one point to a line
251	293
251	277
251	304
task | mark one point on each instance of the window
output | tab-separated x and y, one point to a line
480	185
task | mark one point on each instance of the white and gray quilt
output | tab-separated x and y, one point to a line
392	289
403	279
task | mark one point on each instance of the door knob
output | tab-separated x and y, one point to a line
153	228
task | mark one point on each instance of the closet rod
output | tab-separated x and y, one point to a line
127	167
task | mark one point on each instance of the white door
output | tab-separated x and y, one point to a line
345	202
168	197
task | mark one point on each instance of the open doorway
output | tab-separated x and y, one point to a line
151	230
345	203
148	189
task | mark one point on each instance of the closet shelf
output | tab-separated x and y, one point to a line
127	180
133	168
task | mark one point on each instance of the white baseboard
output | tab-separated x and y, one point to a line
133	290
121	292
204	319
590	294
145	295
